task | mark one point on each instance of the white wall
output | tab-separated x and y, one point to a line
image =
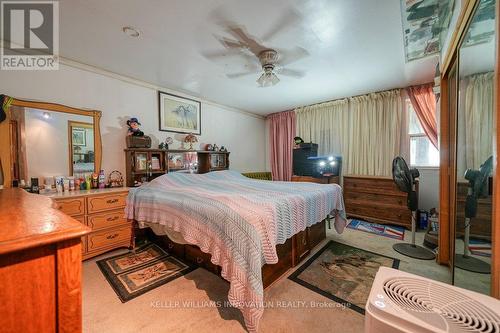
119	98
428	188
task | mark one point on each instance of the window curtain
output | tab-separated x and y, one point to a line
478	119
424	103
326	124
375	133
281	134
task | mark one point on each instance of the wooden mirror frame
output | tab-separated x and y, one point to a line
447	169
5	132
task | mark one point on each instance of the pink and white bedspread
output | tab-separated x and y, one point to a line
238	220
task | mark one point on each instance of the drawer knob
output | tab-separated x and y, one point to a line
112	236
114	218
170	245
199	260
111	201
304	241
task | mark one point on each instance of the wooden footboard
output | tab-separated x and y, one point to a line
290	254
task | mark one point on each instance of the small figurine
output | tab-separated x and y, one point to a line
223	149
215	147
168	141
133	127
190	138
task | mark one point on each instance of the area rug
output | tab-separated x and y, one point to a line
480	248
137	272
378	229
342	273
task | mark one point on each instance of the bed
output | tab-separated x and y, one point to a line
238	220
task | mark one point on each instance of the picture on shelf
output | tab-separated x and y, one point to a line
179	114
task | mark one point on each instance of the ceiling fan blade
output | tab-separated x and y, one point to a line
214	55
288	19
238	75
250	42
291	73
290	56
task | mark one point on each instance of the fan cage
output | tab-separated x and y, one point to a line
460	312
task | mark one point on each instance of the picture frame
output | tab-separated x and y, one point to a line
78	137
179	114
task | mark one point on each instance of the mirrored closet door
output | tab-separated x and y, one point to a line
473	223
469	133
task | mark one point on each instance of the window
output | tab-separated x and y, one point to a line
422	151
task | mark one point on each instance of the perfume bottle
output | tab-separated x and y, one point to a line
102	179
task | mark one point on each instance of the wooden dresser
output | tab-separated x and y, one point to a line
103	211
376	199
40	265
481	225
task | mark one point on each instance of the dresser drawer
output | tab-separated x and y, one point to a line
370	185
398	216
106	202
107	238
301	246
200	258
375	199
106	219
72	207
317	233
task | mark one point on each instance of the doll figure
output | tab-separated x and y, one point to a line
133	127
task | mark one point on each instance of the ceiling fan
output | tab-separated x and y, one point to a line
269	62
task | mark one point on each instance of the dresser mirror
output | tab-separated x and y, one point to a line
53	140
474	151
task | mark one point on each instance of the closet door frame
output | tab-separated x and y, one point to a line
448	136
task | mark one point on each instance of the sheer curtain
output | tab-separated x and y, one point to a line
281	134
326	124
478	119
375	132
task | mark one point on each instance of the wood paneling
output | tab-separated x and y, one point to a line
69	289
28	291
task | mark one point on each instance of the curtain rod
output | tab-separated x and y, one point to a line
365	94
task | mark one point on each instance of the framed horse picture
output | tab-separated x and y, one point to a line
179	114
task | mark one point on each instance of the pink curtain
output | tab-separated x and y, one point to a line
281	134
424	103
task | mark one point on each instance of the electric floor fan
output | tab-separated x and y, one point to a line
478	188
405	178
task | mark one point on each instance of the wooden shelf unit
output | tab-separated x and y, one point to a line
140	165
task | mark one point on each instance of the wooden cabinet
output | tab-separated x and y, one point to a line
320	180
376	199
40	266
143	164
103	211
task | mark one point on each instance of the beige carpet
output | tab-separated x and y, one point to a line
181	305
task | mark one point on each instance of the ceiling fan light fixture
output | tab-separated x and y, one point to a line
268	79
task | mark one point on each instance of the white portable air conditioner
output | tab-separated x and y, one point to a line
404	302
